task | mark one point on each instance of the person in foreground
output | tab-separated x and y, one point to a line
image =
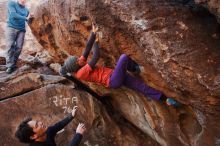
111	78
37	134
18	14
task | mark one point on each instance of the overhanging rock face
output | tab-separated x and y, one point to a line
178	48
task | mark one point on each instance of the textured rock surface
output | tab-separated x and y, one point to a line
178	47
26	83
212	5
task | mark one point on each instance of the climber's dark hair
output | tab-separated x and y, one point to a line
24	131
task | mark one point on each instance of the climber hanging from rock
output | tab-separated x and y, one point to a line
111	78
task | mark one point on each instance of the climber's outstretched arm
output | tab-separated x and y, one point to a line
90	42
95	57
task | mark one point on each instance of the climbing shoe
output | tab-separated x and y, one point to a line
10	70
138	69
172	102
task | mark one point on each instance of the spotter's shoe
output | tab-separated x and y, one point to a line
10	70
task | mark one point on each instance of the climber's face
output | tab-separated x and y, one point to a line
22	2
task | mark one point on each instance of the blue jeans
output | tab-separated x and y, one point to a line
14	44
120	77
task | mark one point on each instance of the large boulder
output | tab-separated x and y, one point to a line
177	46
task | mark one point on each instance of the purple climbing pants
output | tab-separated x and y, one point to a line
120	77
